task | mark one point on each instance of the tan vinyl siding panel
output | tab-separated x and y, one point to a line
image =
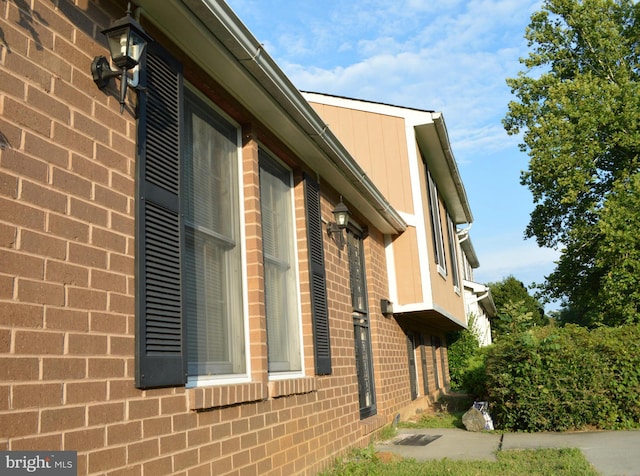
444	294
407	267
378	143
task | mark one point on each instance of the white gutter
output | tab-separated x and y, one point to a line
476	289
224	29
463	235
443	136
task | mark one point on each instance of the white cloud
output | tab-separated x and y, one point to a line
524	260
451	56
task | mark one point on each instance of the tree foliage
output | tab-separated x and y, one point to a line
517	309
578	108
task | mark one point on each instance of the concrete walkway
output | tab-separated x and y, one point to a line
612	453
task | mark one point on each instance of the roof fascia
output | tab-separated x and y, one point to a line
416	115
456	195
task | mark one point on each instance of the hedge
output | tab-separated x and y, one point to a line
565	378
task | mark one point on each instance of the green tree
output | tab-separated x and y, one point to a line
517	309
578	107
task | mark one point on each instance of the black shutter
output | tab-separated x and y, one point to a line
425	373
435	362
413	383
319	310
160	357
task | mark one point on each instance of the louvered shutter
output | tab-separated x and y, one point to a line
434	354
412	366
423	356
160	359
321	337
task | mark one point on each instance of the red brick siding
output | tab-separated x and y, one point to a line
67	199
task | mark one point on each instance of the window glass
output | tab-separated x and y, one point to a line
436	225
280	277
453	252
212	254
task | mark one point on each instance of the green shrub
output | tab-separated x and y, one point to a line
466	361
554	379
474	377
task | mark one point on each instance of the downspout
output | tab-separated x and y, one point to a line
479	298
463	235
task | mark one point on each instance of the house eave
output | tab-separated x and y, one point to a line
426	314
483	296
212	35
470	252
433	141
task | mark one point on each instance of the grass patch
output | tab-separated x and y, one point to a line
541	462
387	433
436	420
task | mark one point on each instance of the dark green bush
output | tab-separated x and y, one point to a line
565	378
466	362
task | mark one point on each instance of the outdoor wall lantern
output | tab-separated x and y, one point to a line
334	229
127	41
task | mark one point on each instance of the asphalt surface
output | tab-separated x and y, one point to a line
612	453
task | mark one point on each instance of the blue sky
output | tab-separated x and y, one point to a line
451	56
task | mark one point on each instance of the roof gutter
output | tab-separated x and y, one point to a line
443	136
221	22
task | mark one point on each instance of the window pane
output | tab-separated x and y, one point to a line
356	273
212	281
280	281
436	224
453	252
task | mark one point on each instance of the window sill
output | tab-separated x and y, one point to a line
205	398
371	424
293	386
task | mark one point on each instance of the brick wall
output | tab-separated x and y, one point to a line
67	182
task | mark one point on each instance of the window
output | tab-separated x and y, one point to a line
189	305
191	322
453	252
436	226
212	280
280	276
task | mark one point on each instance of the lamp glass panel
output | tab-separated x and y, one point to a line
342	219
136	45
118	39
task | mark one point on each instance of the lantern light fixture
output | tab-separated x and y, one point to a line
127	41
335	229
